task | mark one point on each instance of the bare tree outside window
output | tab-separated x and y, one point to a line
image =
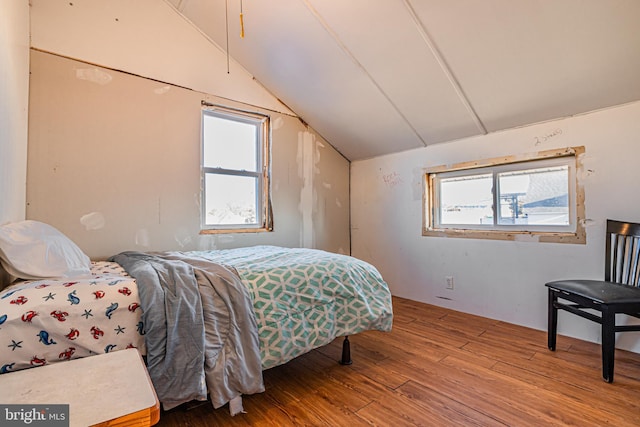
235	171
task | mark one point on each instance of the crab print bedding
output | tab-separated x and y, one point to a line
49	321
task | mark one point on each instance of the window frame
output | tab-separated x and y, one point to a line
573	233
262	174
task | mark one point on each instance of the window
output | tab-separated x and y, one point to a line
235	171
511	198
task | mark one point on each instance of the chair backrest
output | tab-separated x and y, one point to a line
622	253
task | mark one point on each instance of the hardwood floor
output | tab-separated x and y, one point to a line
440	368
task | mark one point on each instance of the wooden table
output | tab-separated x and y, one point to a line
111	389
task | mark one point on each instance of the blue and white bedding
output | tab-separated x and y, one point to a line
300	299
305	298
48	321
201	331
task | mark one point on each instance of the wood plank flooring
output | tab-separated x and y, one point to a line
440	368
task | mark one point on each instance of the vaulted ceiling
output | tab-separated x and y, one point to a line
381	76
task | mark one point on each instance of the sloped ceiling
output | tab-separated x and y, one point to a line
377	77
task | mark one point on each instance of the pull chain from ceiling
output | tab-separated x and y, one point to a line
241	21
226	25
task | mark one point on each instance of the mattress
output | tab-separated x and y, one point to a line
305	298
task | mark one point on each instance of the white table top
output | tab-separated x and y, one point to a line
97	388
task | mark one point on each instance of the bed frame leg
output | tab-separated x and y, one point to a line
346	352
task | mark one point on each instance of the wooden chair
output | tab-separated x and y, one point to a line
618	293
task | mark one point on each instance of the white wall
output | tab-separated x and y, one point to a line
114	135
14	101
497	279
144	37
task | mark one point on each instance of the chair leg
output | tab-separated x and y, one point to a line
608	344
552	322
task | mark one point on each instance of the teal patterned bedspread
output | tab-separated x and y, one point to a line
305	298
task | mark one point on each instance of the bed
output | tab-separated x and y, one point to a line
49	320
208	322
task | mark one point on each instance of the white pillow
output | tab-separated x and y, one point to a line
34	250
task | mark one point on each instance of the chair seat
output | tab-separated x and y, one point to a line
600	301
599	291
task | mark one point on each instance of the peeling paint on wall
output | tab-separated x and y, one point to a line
318	145
160	210
306	159
226	238
277	123
213	242
142	237
162	90
94	75
93	221
207	242
588	168
182	237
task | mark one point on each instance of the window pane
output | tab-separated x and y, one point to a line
230	200
229	144
535	196
466	200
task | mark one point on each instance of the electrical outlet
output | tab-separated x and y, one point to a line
449	280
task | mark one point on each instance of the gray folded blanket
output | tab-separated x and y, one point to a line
201	332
